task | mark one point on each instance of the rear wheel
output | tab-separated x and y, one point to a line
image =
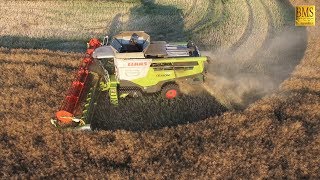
170	91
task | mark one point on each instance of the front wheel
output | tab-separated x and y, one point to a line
170	91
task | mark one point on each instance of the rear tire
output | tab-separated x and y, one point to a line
170	91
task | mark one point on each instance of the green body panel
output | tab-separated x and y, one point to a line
156	75
161	70
112	87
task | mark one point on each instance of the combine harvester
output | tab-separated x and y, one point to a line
130	65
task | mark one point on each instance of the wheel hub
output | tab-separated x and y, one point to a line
171	94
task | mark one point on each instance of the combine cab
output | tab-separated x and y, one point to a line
130	65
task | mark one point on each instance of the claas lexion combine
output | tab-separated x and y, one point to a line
130	65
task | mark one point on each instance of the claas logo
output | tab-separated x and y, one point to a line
305	15
137	63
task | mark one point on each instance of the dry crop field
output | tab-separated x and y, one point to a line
257	116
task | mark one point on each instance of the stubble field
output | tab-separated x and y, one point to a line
257	116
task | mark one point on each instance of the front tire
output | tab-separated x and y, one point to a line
170	91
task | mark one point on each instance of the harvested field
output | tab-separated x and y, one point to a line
259	118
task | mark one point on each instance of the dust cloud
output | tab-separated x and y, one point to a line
236	82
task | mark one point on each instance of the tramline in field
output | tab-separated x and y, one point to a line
130	65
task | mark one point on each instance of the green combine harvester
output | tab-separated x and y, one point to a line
130	65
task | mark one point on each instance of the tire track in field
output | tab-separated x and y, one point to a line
253	63
194	3
250	27
224	96
236	85
248	31
271	30
281	50
206	22
257	36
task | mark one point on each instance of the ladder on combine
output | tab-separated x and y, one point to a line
113	91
